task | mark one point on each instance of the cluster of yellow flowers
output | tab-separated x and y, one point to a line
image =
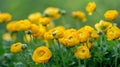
41	26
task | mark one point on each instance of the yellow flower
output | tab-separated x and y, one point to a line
56	33
113	33
4	17
82	52
44	21
52	12
90	8
94	34
87	28
70	38
28	38
88	44
15	48
80	15
41	55
11	26
37	30
83	35
7	37
103	26
111	14
34	17
23	25
50	25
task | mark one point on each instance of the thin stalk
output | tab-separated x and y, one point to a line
85	63
61	55
79	63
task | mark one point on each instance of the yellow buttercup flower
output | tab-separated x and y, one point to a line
52	12
11	26
23	25
50	25
90	8
56	33
94	34
103	26
44	21
83	35
87	28
111	14
37	30
80	15
70	38
82	52
41	54
4	17
113	33
15	48
7	37
34	17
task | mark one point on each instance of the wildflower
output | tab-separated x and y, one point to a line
79	15
52	12
113	33
23	25
56	33
7	37
15	48
83	35
11	26
82	52
28	38
41	55
4	17
87	28
37	30
103	26
70	38
94	34
44	21
111	14
90	8
34	17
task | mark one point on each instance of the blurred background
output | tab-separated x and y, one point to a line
20	9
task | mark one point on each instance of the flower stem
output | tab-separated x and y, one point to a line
84	63
79	63
61	55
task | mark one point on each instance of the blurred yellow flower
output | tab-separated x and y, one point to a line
15	48
56	33
41	54
52	12
70	38
82	52
5	17
44	21
94	34
103	26
111	14
113	33
90	8
11	26
83	35
34	17
79	15
37	30
87	28
7	37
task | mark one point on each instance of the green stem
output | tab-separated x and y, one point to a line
79	63
116	57
61	55
85	63
101	44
